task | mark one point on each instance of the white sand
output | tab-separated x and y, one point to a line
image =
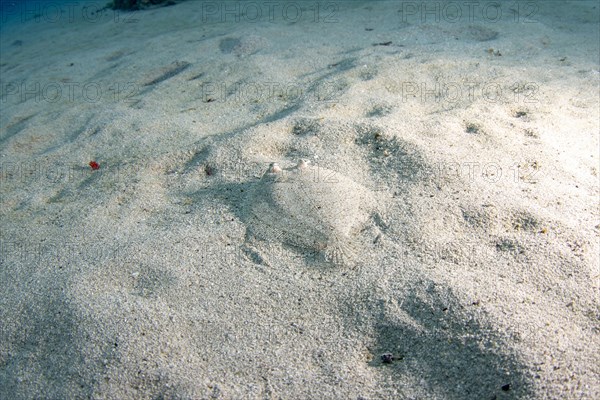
478	269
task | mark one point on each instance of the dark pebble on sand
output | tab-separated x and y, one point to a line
387	358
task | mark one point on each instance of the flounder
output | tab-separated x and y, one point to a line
310	208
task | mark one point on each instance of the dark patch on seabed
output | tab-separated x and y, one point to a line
390	157
197	159
456	353
280	114
42	344
161	75
228	44
15	127
169	72
71	138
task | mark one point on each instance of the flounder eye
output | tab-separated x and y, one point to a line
302	164
274	168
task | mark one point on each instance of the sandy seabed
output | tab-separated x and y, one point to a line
476	137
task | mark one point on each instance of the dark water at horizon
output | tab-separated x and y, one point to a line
36	13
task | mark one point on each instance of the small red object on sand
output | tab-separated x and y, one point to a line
94	165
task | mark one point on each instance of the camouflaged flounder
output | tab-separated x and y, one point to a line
310	208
